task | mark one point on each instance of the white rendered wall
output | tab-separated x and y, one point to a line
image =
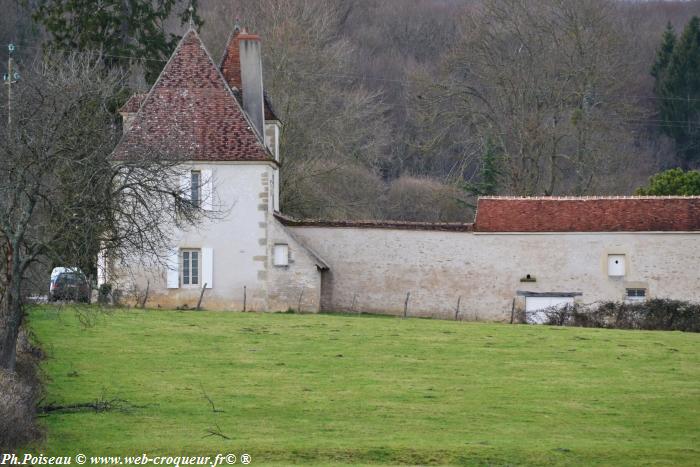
238	237
242	237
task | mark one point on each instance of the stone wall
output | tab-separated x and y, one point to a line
297	285
373	269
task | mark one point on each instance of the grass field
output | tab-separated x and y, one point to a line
322	389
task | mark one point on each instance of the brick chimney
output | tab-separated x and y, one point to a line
231	62
242	68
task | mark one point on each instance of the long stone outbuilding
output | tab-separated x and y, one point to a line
519	254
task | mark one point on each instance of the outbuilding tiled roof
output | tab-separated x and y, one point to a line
191	113
588	214
375	224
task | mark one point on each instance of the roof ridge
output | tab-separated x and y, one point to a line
140	96
160	76
374	223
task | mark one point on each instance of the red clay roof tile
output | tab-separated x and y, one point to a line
191	113
588	214
133	104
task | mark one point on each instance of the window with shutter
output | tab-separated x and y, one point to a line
191	268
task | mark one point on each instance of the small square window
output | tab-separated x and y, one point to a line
636	295
281	255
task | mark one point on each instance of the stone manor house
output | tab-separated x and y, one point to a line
522	253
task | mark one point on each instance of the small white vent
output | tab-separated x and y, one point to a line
616	265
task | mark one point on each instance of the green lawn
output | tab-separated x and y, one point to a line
322	389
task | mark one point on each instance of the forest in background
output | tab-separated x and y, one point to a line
407	110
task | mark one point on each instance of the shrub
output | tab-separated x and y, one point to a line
655	314
104	293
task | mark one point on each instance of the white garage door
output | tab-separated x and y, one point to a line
535	307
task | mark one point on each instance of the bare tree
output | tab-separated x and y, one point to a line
425	199
63	198
545	81
333	127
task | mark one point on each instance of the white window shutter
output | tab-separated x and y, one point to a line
208	267
101	267
207	190
186	184
173	264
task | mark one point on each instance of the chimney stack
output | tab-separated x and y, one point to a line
251	80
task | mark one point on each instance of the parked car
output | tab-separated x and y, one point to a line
69	284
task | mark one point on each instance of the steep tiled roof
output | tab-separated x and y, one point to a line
133	104
191	113
588	214
375	224
231	68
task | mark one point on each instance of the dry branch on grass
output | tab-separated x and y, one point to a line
216	431
98	405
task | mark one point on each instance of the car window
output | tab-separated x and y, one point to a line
70	278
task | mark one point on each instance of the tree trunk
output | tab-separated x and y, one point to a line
10	320
10	311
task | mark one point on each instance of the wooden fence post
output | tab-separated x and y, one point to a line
199	302
145	297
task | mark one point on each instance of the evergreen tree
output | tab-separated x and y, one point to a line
663	55
489	173
121	30
678	90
